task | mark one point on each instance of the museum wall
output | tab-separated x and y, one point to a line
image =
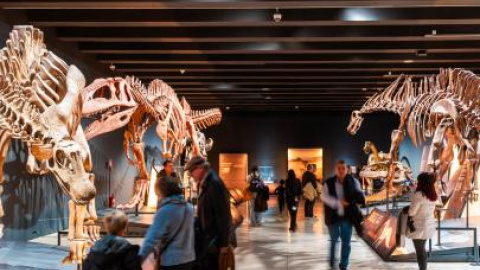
265	137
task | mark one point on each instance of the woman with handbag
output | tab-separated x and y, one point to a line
169	242
421	219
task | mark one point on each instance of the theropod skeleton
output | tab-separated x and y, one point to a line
117	102
40	104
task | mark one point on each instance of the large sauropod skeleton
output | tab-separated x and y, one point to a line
445	108
398	98
40	104
116	102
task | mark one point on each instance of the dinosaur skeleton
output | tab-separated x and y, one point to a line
378	167
116	102
443	107
40	104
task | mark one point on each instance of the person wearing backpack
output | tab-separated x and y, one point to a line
310	187
170	241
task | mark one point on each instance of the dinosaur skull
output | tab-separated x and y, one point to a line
355	122
66	164
111	103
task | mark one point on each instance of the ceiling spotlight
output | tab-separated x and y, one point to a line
432	34
421	53
112	67
265	89
364	89
408	61
227	108
277	16
297	107
268	97
182	71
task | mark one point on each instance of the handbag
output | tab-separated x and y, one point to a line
152	262
410	224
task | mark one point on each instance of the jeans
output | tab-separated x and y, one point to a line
309	205
342	230
292	211
421	253
255	217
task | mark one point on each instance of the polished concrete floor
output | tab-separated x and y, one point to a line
268	247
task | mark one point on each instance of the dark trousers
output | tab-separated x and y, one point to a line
185	266
421	253
309	205
210	262
292	211
281	203
343	230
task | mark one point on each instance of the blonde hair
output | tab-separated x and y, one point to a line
116	222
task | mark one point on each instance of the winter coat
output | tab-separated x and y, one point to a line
422	213
261	200
309	177
293	191
113	253
182	249
213	213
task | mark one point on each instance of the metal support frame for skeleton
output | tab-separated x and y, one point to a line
40	104
116	102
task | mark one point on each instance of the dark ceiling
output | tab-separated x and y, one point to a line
322	55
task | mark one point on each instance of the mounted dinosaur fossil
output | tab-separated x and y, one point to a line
116	102
378	168
40	104
443	107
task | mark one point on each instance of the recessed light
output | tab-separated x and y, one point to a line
227	108
408	61
364	89
297	107
389	73
265	89
421	53
182	71
112	67
268	97
277	16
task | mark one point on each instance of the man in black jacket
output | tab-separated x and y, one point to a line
214	233
309	177
340	195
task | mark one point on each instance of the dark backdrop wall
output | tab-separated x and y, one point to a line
265	137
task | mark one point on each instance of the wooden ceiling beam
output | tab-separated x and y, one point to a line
277	52
294	62
249	23
260	39
234	4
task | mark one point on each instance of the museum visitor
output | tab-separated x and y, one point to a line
113	251
293	196
422	223
310	190
341	195
169	242
214	232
